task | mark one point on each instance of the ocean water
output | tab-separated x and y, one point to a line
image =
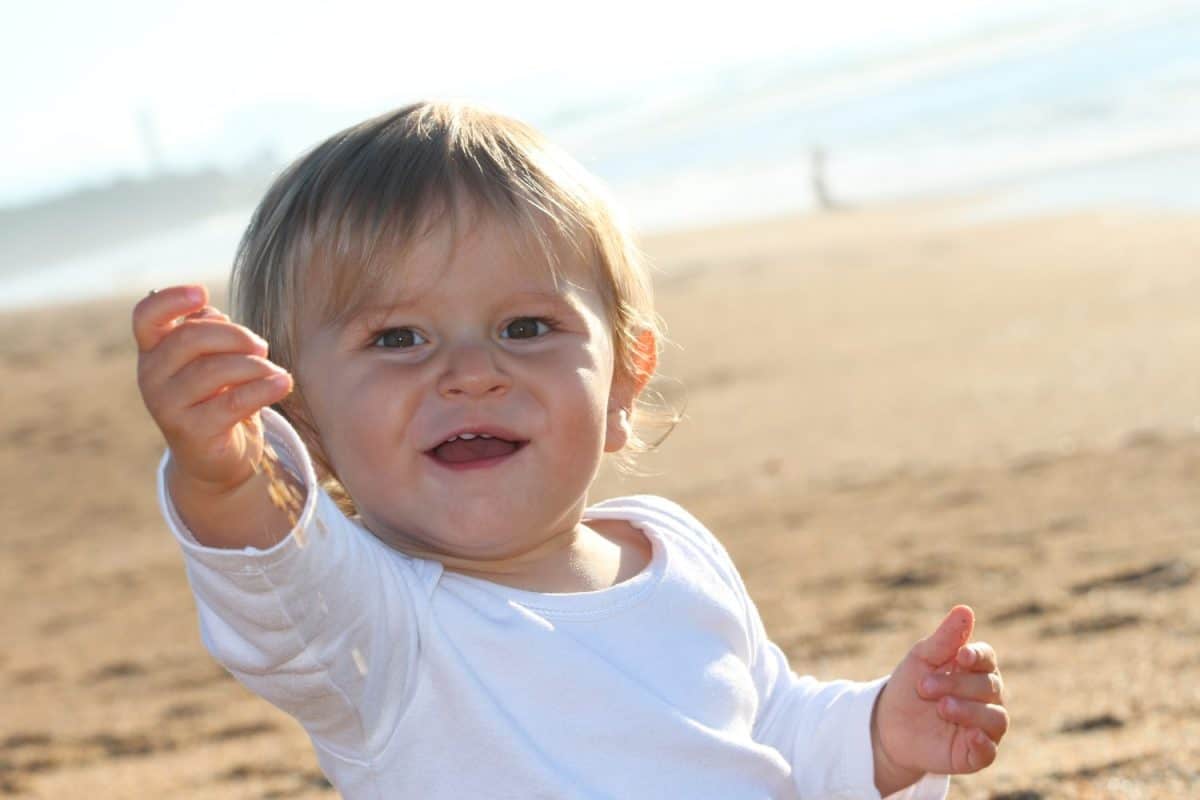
1107	102
1090	105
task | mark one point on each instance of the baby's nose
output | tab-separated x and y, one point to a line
471	371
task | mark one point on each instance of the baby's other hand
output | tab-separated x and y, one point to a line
942	710
201	375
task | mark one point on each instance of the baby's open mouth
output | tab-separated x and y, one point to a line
466	447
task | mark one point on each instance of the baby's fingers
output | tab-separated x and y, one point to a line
985	687
989	718
216	416
205	377
977	657
154	317
192	339
981	750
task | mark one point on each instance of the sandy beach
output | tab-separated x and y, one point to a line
887	412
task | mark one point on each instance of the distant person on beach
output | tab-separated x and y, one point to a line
386	525
821	197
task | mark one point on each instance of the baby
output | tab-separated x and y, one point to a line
459	330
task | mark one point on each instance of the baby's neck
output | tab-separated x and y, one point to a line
587	558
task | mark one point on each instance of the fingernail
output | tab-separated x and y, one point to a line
195	294
929	684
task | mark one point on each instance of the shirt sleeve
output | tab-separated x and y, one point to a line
822	728
324	624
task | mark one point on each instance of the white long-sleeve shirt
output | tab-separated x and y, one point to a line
414	681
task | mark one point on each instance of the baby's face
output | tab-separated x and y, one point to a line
468	413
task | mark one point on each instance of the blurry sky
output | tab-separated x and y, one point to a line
94	90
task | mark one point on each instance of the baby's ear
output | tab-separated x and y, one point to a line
625	390
645	360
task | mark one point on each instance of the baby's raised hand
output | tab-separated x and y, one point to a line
942	710
200	376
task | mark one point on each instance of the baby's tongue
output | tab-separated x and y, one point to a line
471	449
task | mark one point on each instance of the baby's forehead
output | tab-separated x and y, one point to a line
497	255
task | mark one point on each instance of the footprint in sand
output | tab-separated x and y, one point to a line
1101	623
1032	608
298	781
33	675
241	731
910	579
181	711
1163	575
959	498
1089	724
137	744
115	670
21	754
1066	524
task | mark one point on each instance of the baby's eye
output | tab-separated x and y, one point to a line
525	328
399	338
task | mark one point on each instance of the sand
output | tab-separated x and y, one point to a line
887	412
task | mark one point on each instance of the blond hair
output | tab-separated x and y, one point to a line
336	222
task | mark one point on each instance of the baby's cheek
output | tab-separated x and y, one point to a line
355	438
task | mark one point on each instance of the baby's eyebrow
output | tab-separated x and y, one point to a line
551	297
561	302
379	310
369	315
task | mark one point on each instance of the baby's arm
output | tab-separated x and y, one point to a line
201	377
324	624
821	728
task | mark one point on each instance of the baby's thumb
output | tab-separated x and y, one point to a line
942	645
